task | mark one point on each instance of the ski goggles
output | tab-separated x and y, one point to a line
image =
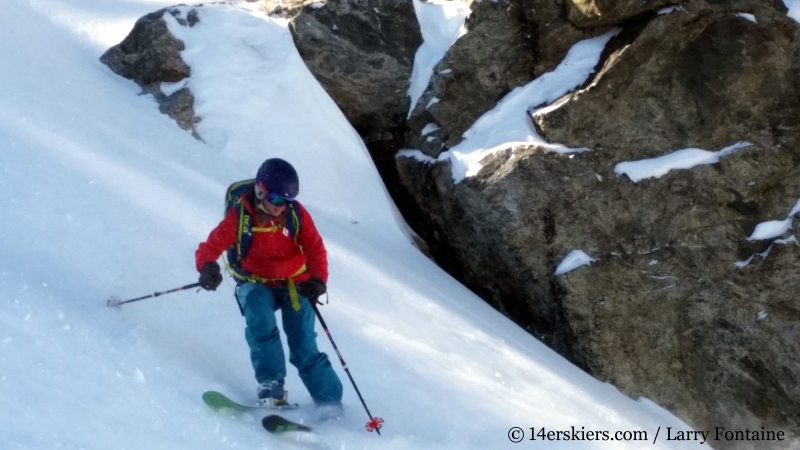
264	195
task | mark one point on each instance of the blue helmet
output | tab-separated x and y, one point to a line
279	177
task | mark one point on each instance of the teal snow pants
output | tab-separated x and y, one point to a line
260	302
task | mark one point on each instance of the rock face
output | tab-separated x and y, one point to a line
150	55
664	312
362	52
719	80
686	331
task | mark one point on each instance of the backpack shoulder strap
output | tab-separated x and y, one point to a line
293	221
235	191
244	233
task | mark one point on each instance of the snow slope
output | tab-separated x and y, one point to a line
103	195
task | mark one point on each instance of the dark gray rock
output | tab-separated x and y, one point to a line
362	52
149	56
180	106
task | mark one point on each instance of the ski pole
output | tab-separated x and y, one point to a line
114	302
374	422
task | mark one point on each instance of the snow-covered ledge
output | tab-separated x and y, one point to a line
681	159
574	259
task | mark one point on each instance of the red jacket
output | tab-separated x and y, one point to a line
271	254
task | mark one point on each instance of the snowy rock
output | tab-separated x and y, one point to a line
150	53
150	56
734	67
508	44
503	230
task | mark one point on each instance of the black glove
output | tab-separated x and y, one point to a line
210	277
312	289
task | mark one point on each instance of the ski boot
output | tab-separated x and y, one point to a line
272	395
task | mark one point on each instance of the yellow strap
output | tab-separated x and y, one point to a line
289	283
266	230
241	230
293	295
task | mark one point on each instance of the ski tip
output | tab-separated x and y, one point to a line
219	401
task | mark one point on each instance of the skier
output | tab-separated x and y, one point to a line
285	267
